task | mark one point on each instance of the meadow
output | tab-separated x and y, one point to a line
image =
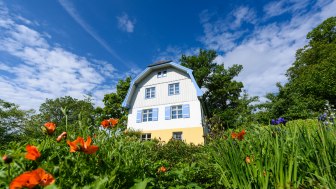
300	154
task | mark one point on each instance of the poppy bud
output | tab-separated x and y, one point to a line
7	159
247	160
61	136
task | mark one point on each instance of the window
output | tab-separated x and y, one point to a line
177	135
174	89
150	92
147	115
176	112
162	74
146	136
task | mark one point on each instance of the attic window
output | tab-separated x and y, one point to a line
162	74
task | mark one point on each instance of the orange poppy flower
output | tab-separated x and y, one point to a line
31	179
32	152
162	169
80	145
50	126
75	145
234	135
61	136
105	123
87	148
239	136
113	121
44	178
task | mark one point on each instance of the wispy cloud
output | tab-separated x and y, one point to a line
280	7
37	69
266	51
125	23
174	53
243	14
71	10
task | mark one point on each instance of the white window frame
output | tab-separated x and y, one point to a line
146	136
150	92
147	115
173	89
178	135
176	112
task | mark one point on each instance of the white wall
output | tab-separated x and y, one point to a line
193	121
187	89
187	95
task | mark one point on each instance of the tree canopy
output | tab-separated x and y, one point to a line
311	78
12	121
113	102
222	99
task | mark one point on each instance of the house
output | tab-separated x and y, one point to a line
163	103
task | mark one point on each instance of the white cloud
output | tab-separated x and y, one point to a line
243	14
269	50
222	34
40	69
174	53
125	23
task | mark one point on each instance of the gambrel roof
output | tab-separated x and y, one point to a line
155	66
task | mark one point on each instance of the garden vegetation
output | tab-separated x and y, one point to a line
287	142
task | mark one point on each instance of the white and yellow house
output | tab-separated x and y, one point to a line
163	102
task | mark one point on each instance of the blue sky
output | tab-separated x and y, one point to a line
50	49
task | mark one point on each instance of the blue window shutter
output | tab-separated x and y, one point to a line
138	119
167	112
155	114
185	110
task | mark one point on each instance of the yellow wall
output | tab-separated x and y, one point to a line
189	135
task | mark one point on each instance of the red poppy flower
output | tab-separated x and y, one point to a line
105	123
50	126
32	152
239	136
162	169
31	179
80	145
113	121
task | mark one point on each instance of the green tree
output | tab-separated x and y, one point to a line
12	122
113	103
222	102
76	110
311	78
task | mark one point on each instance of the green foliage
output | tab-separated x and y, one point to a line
223	100
311	78
12	122
113	103
51	111
301	154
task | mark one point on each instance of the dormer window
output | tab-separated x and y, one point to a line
162	74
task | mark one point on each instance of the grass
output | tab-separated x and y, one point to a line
301	154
